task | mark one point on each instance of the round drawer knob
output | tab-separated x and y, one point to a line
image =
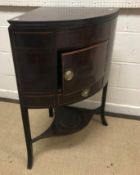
85	93
69	74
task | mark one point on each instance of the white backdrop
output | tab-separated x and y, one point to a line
95	3
124	83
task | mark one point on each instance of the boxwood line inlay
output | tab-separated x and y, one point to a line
61	55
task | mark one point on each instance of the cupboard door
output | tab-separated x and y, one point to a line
83	67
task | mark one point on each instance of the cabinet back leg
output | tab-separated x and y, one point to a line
28	139
51	113
103	119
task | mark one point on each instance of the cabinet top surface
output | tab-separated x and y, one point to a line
65	14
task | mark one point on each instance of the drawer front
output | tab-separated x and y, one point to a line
83	67
81	94
33	40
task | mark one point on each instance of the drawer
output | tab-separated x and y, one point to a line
33	40
83	67
81	94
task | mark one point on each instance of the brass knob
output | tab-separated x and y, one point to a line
85	93
68	75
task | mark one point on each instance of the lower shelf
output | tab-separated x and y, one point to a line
67	120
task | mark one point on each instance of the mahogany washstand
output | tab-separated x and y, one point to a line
61	56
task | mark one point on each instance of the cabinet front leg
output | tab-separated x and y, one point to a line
103	119
28	139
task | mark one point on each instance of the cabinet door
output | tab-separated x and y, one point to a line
36	71
83	67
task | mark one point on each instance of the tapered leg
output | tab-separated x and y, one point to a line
28	139
51	112
103	119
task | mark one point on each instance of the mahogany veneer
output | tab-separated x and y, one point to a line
61	56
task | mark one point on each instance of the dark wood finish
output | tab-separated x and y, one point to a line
61	56
72	120
33	40
51	113
36	66
104	122
86	65
28	139
65	16
76	95
85	36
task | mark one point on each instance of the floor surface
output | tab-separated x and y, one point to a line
95	150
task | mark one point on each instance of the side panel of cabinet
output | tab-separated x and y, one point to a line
36	71
33	40
35	60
